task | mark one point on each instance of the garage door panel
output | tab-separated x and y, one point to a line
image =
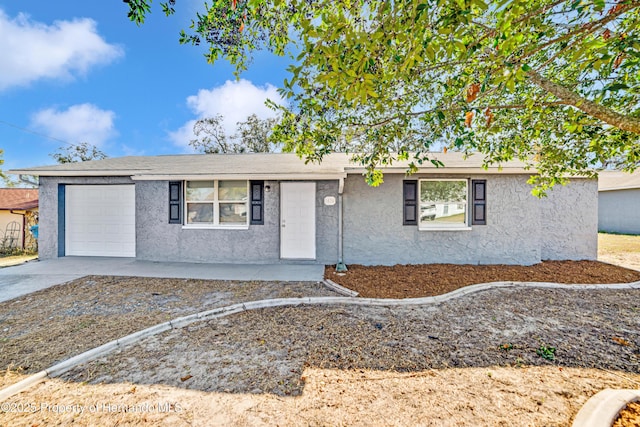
100	220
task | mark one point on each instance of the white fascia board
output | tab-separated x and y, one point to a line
452	170
257	177
74	173
632	187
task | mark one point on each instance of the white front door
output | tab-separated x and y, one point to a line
298	220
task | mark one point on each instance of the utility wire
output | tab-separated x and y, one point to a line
37	133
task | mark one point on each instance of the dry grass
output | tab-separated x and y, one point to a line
6	261
619	249
617	243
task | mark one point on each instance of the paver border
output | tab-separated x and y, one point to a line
215	313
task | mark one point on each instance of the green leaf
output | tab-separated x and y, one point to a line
614	87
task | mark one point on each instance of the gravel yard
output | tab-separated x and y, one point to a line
266	350
48	326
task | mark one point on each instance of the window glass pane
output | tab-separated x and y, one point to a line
443	203
198	191
199	213
232	190
233	213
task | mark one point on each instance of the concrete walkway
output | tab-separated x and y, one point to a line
32	276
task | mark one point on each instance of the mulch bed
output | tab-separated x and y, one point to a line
414	281
629	416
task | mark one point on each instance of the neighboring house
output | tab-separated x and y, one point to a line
619	202
18	211
274	208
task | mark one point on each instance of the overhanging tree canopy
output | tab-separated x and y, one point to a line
552	82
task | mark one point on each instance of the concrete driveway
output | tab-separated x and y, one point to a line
32	276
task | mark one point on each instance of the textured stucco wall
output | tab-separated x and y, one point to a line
569	218
158	240
619	211
521	229
374	234
326	223
48	209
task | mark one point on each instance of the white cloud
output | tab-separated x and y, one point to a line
234	100
78	123
33	50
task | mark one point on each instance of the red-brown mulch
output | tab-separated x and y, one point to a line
629	416
414	281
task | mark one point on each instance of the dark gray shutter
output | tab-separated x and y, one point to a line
257	202
410	205
175	202
479	200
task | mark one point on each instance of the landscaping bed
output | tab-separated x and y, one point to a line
414	281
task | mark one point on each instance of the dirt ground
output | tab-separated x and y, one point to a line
499	357
496	396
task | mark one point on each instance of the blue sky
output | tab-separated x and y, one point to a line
80	71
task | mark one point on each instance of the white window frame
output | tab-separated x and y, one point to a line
216	207
440	226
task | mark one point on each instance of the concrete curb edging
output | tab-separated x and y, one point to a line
603	408
339	289
219	312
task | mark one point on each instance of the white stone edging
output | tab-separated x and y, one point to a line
339	289
216	313
603	407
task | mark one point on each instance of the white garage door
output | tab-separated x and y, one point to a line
100	220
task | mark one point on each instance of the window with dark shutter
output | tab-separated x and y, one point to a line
175	202
479	196
257	202
410	205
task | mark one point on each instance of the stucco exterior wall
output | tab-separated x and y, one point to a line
569	219
521	229
157	240
619	211
374	233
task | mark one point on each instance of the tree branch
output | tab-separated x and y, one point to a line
586	28
568	97
458	109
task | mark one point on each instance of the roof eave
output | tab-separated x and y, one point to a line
452	170
241	176
92	173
